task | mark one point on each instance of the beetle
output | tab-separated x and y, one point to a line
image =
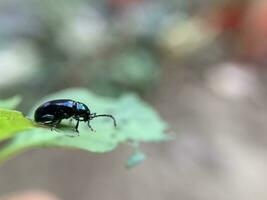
53	112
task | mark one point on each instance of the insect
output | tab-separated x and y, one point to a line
53	112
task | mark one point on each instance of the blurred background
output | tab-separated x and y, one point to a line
201	64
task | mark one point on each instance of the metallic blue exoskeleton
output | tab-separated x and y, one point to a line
53	112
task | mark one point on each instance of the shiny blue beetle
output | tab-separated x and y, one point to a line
53	112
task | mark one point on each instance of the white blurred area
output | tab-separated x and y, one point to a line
84	33
18	63
233	81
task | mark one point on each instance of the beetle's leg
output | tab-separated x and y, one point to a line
71	119
54	124
48	118
76	127
90	126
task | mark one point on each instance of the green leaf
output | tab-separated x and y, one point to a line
136	122
12	122
136	69
135	159
10	103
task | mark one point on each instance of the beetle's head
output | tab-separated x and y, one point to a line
82	111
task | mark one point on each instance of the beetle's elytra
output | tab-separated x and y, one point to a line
53	112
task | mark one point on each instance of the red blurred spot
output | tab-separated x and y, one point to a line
227	18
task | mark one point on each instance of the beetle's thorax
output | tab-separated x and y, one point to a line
81	112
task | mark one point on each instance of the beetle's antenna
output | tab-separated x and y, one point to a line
104	115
